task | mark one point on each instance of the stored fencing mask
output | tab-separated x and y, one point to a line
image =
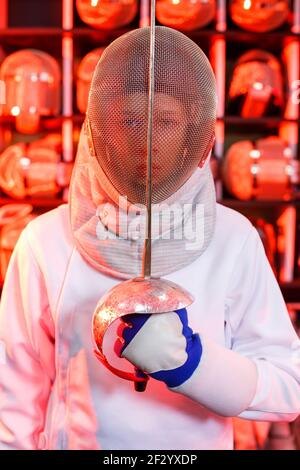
32	82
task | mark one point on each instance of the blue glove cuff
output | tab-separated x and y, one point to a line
176	377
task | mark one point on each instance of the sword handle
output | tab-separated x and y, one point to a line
140	386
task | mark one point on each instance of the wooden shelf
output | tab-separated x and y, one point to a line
259	204
80	32
263	121
38	202
17	32
47	123
261	38
47	39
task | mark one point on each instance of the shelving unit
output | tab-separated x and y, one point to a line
58	30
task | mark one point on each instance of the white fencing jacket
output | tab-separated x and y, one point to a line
54	394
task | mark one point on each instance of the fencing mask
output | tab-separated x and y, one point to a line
259	15
185	15
32	82
111	160
107	14
256	87
84	76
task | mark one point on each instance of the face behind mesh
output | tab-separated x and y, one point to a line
184	112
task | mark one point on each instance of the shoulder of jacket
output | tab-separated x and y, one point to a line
51	232
234	228
232	221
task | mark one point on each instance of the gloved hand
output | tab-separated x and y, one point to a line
161	345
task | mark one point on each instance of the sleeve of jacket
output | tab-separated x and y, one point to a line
258	377
27	367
